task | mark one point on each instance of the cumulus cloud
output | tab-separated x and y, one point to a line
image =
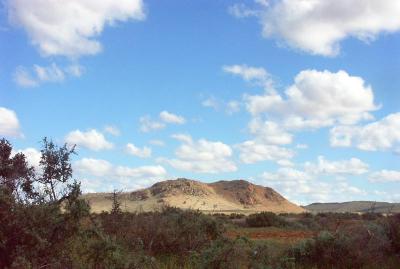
269	132
9	123
385	176
352	166
201	156
147	124
305	187
25	77
108	176
318	26
253	151
168	117
91	139
380	135
70	28
317	99
144	152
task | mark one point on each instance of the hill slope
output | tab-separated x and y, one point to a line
355	207
223	196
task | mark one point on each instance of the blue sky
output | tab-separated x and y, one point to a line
302	96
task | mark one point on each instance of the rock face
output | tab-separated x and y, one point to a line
237	196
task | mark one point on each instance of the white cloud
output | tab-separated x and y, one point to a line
201	156
318	26
380	135
108	176
70	28
240	10
140	172
9	123
184	138
352	166
305	188
148	125
112	130
41	74
144	152
257	75
168	117
93	167
231	107
32	155
252	152
385	176
269	132
317	99
91	139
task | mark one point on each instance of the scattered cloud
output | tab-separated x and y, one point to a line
168	117
91	139
42	74
144	152
385	176
148	125
352	166
317	99
9	123
380	135
305	187
231	107
112	130
201	156
107	176
253	151
269	132
318	26
256	75
71	28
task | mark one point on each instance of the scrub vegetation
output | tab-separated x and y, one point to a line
45	223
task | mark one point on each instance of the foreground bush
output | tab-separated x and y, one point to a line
266	219
171	231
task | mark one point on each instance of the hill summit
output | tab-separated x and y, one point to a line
238	196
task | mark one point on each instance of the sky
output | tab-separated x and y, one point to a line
299	95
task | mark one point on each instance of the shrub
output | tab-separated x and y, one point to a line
265	219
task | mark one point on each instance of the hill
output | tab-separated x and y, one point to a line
236	196
355	207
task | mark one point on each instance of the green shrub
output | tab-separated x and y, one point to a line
266	219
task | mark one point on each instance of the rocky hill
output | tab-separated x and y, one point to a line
238	196
355	207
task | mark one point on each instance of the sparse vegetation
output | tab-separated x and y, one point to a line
46	224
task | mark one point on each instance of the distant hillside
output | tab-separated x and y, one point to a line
223	196
355	206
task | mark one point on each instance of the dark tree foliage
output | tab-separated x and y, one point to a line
39	210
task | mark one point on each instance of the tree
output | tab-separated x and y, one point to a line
40	211
57	170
